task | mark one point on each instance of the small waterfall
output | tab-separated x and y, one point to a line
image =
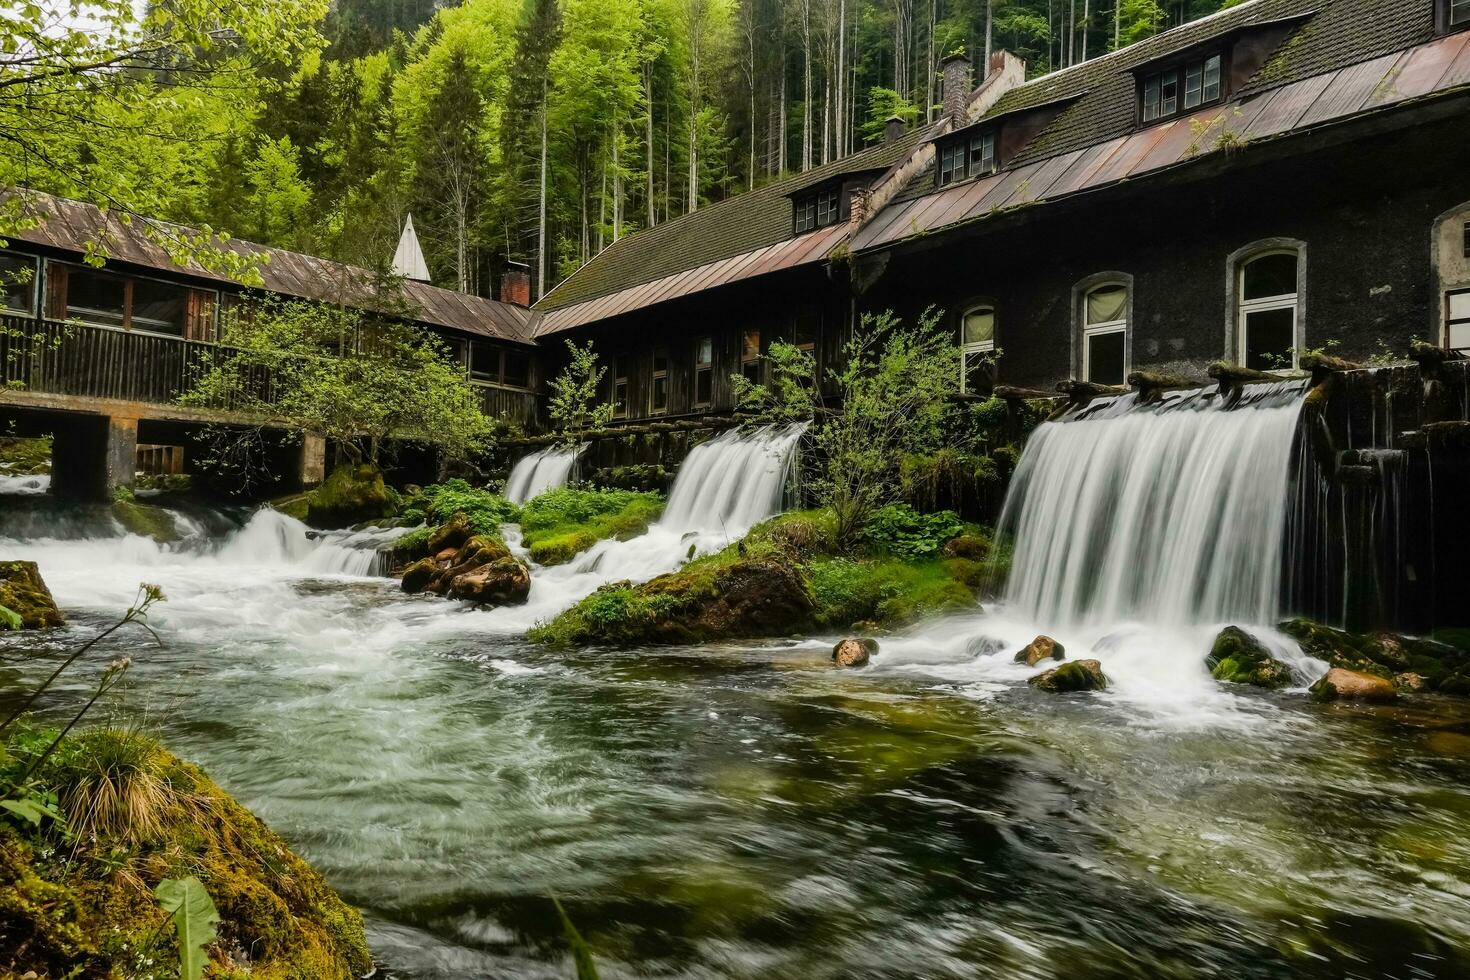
735	481
1172	513
543	470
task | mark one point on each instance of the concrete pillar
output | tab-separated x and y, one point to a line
121	457
313	466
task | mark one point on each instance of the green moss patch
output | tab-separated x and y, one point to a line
559	524
144	520
25	457
77	899
25	595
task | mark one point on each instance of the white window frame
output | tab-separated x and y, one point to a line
1451	321
1456	14
1091	330
1284	301
979	347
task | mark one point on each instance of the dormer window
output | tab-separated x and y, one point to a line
818	210
960	159
1454	14
1182	88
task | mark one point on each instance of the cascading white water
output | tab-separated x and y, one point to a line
25	485
543	470
1172	513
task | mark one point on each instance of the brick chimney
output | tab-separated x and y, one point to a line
515	284
957	86
893	128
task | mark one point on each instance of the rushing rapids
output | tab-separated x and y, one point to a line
540	471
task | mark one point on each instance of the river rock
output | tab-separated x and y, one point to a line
503	582
971	546
1078	675
452	534
351	495
854	651
24	592
1351	685
1039	649
1240	658
1410	681
416	577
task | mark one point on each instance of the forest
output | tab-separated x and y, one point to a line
532	130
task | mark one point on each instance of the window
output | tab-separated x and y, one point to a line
18	284
1466	244
1457	329
1105	335
158	307
977	350
96	297
1268	311
961	158
104	299
620	387
704	371
1181	88
750	355
1456	13
818	210
658	392
495	365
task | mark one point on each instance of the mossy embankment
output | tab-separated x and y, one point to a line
76	893
788	576
561	523
20	456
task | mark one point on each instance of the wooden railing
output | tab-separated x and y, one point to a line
86	361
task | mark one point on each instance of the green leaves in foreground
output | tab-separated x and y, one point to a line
581	952
194	917
9	619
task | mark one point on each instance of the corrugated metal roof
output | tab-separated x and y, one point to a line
71	225
1437	67
812	247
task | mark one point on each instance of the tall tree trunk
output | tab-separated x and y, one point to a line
806	84
1086	23
541	218
781	148
648	139
841	114
989	36
617	186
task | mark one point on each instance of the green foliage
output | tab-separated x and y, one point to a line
561	523
892	385
886	592
575	404
439	502
581	952
898	529
194	919
9	619
884	103
788	395
346	375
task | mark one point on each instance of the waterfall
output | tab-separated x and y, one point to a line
543	470
1172	513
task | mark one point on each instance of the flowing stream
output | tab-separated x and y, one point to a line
740	810
545	469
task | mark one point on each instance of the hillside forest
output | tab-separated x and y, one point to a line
533	130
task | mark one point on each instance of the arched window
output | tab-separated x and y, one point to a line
977	346
1268	304
1105	338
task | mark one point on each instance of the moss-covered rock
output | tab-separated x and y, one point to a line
84	906
1078	675
24	593
144	520
351	495
562	523
502	582
1352	685
1440	666
1240	658
24	456
480	570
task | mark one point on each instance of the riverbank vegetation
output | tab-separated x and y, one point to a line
790	576
560	523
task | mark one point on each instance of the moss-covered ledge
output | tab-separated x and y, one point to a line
78	900
561	523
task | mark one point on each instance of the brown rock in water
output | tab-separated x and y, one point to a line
1079	675
1039	649
446	554
453	533
24	592
503	582
1352	685
854	651
416	577
1410	681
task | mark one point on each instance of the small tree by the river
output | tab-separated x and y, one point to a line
352	377
576	404
892	385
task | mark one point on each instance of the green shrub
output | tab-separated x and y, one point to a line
900	530
441	501
887	592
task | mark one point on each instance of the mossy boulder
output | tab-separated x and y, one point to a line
1439	666
293	505
560	524
351	495
1240	658
1352	685
453	533
144	520
502	582
1039	649
24	593
1076	676
480	570
973	547
84	906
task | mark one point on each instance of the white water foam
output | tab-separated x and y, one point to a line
543	470
24	485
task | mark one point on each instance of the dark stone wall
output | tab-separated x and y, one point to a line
1364	209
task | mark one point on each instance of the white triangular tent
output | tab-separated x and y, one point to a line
408	260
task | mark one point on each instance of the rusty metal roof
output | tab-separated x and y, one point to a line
73	225
1435	68
805	249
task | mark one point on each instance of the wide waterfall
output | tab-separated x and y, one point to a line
1172	513
543	470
